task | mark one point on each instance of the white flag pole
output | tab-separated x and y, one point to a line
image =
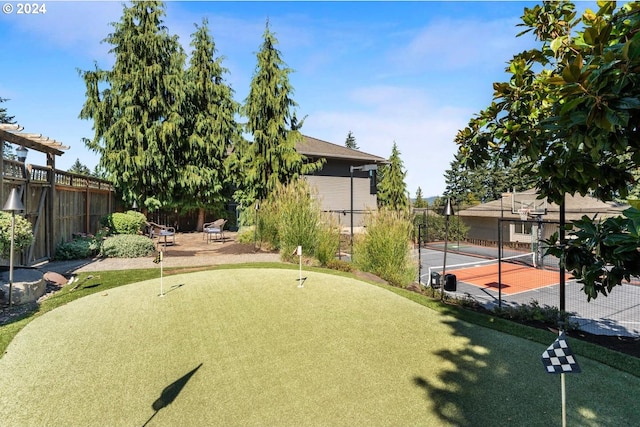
564	401
300	283
161	284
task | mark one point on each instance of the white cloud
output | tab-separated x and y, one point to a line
451	44
74	26
422	130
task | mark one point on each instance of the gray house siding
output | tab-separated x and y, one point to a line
334	194
333	181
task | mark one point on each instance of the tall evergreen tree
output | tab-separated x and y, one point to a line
4	116
351	142
271	157
210	127
136	106
79	168
392	190
467	185
420	201
7	119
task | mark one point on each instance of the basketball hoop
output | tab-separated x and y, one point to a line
524	213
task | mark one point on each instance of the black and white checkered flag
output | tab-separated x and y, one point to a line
558	358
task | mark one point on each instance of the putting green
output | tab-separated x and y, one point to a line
249	347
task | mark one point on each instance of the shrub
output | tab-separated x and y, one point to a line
127	246
84	247
328	243
340	265
298	218
246	234
130	222
534	312
22	237
384	248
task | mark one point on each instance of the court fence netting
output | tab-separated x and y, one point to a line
499	275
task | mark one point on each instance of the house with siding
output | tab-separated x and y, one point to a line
484	220
337	179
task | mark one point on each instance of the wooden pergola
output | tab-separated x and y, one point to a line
16	173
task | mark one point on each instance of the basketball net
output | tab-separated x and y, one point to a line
524	213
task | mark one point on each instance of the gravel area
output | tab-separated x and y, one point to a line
190	250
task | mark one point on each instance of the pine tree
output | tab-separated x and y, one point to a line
210	127
271	157
420	201
6	118
351	142
79	168
392	190
136	106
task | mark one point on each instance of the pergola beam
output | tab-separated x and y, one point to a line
13	133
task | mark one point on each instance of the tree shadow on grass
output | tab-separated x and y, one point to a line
170	393
493	381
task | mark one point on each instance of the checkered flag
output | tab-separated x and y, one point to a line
158	257
558	358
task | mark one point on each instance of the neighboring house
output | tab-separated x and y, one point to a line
483	220
334	181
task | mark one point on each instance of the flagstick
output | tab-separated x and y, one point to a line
564	401
300	284
161	284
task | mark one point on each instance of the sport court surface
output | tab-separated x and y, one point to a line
248	347
512	273
616	314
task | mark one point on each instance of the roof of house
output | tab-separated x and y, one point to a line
575	207
313	147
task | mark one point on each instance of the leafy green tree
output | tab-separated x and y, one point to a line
270	158
571	113
210	127
79	168
420	201
392	190
136	106
350	142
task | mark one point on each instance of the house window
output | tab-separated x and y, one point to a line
523	228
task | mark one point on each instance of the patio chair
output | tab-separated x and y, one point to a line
162	231
214	230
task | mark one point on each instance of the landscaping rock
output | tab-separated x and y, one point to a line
28	285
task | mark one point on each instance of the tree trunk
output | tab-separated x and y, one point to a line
200	219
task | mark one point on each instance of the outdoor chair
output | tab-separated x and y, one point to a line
162	232
214	230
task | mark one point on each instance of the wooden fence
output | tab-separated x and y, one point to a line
58	204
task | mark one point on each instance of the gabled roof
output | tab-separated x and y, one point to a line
313	147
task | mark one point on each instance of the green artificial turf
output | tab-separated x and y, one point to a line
248	347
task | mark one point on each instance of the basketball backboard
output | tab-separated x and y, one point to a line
528	202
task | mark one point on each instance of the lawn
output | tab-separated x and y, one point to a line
248	347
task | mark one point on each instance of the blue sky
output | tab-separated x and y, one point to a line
412	73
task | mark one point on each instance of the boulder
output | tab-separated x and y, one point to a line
28	285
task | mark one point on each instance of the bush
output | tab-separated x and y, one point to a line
130	222
384	249
534	312
298	219
328	243
127	246
340	265
22	237
84	247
